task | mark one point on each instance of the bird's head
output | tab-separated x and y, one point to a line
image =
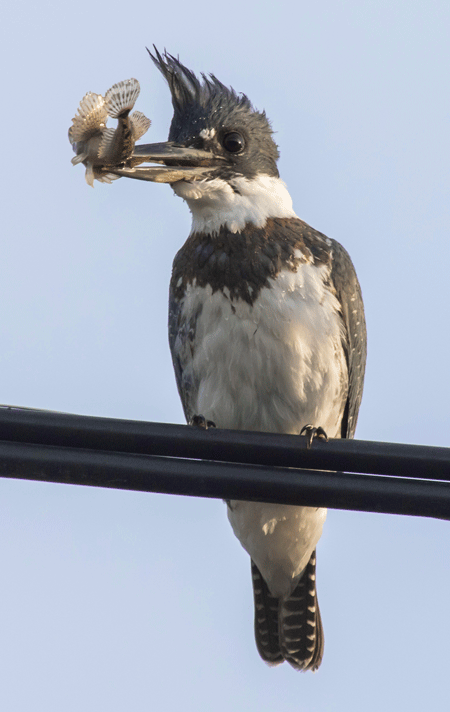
220	156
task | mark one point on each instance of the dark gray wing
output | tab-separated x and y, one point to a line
181	336
174	319
347	289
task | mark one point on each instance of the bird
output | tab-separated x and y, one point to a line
266	330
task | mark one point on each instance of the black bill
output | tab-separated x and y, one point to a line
175	163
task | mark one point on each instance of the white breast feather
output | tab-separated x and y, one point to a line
214	203
273	366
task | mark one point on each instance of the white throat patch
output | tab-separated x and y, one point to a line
216	203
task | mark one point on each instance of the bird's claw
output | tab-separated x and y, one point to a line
200	422
310	432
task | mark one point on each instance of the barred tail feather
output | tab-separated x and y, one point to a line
266	620
300	624
289	629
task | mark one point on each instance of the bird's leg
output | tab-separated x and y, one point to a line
310	432
200	422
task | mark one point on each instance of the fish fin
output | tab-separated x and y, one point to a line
107	177
79	159
139	124
107	139
89	175
121	97
91	117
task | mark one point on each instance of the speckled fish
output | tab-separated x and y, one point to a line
97	146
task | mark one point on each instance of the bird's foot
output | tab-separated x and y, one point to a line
310	432
200	422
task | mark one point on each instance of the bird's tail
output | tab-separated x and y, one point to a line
289	629
266	620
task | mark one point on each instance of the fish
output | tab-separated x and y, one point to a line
97	146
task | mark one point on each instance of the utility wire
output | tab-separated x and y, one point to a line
229	464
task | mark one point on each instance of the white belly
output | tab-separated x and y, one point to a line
279	538
273	366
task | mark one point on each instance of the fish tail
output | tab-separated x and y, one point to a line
120	99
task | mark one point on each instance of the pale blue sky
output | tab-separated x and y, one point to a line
114	601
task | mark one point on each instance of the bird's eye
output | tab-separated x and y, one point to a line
233	142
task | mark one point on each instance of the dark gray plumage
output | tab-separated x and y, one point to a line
198	105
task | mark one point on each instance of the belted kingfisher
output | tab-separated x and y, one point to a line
266	329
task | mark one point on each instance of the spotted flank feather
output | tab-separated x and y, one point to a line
289	629
121	97
90	119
